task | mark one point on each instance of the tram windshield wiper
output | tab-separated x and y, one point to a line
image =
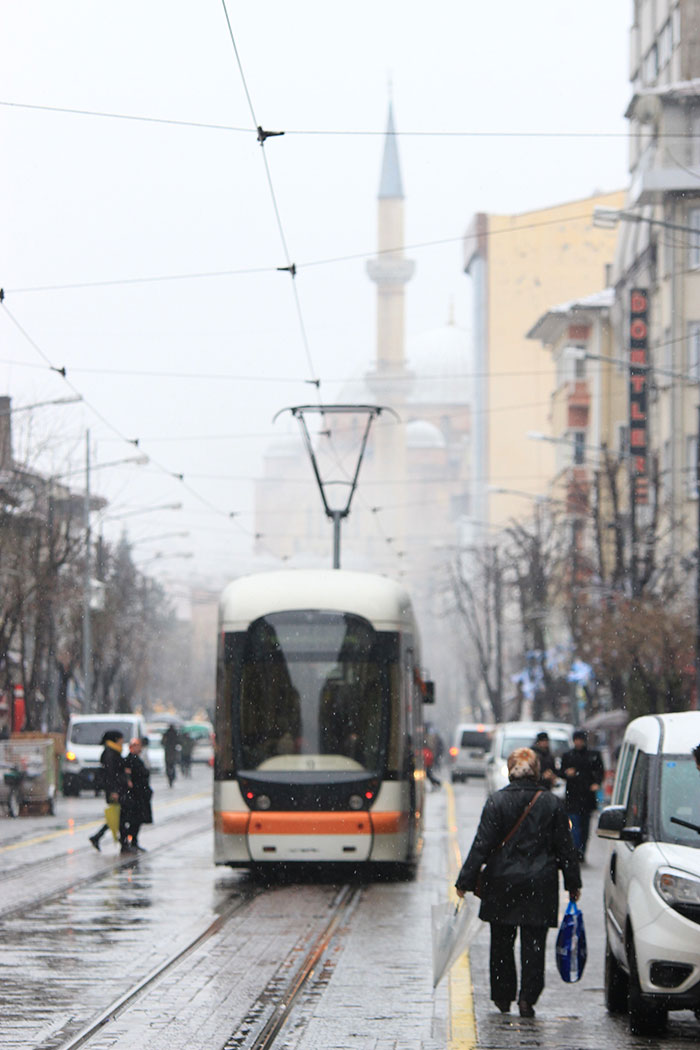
686	824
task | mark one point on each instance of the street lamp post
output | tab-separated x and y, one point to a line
87	626
87	580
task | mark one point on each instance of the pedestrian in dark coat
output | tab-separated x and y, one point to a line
138	799
584	772
520	883
116	784
170	741
548	766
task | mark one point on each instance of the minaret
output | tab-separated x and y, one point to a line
391	270
390	381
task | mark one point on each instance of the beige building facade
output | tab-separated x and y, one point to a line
519	266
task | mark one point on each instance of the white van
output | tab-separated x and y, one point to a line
80	766
652	874
470	745
508	736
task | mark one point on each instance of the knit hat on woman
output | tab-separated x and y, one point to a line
523	764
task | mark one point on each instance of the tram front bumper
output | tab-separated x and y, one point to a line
311	837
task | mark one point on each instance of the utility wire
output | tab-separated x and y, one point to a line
343	132
297	267
290	266
134	442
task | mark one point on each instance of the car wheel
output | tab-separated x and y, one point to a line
616	984
647	1016
70	788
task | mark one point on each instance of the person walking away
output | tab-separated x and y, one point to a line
583	771
523	840
138	804
429	763
116	784
186	749
170	742
548	766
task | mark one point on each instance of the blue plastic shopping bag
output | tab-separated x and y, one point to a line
571	945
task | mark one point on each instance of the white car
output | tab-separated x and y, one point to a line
652	876
508	736
156	754
81	769
472	741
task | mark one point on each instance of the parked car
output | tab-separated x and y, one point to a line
508	736
80	765
156	754
202	735
652	875
470	746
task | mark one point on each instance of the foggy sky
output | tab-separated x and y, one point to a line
195	367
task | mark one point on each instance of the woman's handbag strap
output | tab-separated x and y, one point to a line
521	818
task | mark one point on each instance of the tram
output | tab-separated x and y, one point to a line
319	729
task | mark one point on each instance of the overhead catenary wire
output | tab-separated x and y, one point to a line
134	442
456	133
289	266
298	267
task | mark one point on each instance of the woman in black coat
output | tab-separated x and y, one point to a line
116	784
138	797
520	884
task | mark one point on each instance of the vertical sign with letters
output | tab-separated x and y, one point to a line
639	379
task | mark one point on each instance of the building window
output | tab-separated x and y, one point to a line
694	238
676	26
695	139
623	439
666	469
691	466
693	351
651	64
665	44
579	443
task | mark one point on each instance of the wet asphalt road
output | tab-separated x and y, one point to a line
79	928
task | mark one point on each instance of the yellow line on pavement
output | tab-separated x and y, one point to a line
73	829
462	1020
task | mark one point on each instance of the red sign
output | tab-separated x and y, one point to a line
639	379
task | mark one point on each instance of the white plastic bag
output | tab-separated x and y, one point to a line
453	928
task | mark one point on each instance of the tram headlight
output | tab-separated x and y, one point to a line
355	802
263	802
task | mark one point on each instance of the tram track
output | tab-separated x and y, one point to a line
282	1002
27	872
286	1001
141	987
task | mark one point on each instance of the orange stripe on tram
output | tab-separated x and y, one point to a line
390	823
231	823
309	824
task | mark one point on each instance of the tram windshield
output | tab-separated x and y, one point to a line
310	690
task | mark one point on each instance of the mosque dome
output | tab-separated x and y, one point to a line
422	434
441	361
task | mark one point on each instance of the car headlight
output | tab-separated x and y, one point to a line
676	888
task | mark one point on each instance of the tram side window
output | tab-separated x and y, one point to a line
225	675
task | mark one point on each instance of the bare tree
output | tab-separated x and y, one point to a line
479	600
